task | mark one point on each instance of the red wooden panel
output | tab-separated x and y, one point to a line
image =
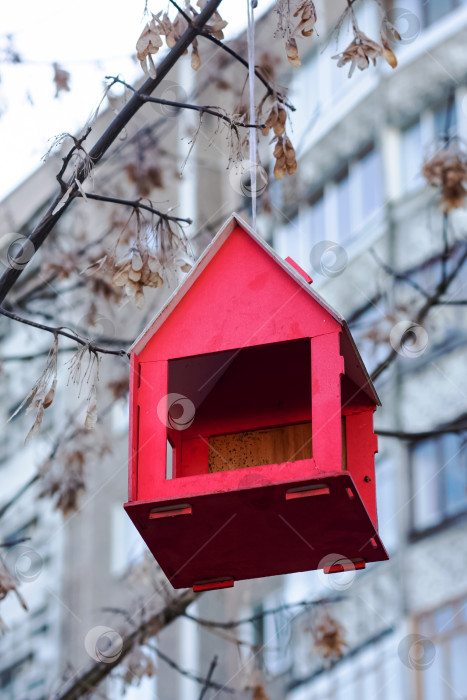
362	444
326	369
172	490
243	298
194	459
254	532
133	429
152	447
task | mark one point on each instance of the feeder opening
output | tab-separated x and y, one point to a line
240	408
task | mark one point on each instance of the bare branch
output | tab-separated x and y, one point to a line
259	616
433	300
183	105
235	55
206	682
66	160
398	276
97	672
451	429
65	334
136	204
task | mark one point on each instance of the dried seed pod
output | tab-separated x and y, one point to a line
291	167
136	260
291	49
195	57
281	162
388	53
272	118
288	148
120	277
278	149
279	171
155	176
134	275
279	128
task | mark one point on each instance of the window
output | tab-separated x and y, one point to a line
370	174
434	10
411	157
344	222
317	220
386	501
445	121
439	480
127	546
446	676
272	634
374	672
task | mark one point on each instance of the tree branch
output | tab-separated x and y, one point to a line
206	682
399	276
433	300
97	672
236	56
59	331
183	105
135	203
423	435
232	624
58	207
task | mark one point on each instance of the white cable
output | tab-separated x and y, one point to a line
251	83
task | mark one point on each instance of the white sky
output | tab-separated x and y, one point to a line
90	39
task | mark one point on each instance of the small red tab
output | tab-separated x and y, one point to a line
306	492
170	511
213	585
300	270
344	566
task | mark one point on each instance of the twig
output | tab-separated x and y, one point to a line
183	672
400	276
65	334
207	682
445	255
6	506
136	204
236	56
259	616
433	300
66	160
452	302
183	105
423	435
79	686
13	543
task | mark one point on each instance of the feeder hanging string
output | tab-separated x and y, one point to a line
251	4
